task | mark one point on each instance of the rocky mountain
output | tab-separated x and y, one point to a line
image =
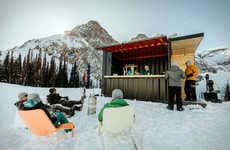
139	37
94	34
78	45
216	63
214	60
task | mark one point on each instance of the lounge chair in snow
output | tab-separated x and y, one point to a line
117	120
39	124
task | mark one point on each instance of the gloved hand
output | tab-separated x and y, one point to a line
53	118
189	75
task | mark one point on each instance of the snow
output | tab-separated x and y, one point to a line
155	126
216	58
221	79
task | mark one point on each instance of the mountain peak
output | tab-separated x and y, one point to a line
140	36
94	34
93	23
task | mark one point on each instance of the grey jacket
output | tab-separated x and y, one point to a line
174	76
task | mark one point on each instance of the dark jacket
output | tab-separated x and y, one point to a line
53	99
32	105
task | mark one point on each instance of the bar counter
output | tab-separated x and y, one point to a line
140	87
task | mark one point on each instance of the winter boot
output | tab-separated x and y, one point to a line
180	109
170	107
71	113
77	107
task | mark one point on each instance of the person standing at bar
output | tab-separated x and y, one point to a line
146	70
174	76
191	73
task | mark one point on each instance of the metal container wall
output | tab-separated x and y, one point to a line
147	88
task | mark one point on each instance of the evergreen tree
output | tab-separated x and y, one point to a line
24	72
11	68
44	73
19	69
28	69
6	67
58	79
74	76
52	72
47	75
227	92
65	75
88	77
2	73
30	74
38	67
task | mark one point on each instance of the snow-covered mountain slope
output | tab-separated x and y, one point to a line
94	34
155	127
214	60
77	45
216	63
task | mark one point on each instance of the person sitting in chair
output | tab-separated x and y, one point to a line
23	96
117	101
33	101
55	98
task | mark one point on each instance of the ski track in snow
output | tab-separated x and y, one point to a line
155	127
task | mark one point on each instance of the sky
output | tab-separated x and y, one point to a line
22	20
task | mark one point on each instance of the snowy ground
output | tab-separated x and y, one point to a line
156	127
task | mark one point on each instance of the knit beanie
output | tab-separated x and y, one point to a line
34	96
22	94
174	64
189	62
117	93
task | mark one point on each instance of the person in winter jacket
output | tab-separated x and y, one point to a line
117	101
34	102
55	98
146	70
174	76
23	96
191	73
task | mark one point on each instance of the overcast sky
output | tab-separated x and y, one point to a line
22	20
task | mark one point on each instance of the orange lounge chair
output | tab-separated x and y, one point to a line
39	124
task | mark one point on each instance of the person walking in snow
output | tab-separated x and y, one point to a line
55	98
174	76
117	101
191	73
33	101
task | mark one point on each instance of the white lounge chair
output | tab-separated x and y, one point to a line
116	121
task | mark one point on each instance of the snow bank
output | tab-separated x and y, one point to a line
155	127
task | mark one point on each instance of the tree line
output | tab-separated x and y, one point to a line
38	71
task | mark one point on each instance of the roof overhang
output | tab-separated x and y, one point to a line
142	49
185	44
